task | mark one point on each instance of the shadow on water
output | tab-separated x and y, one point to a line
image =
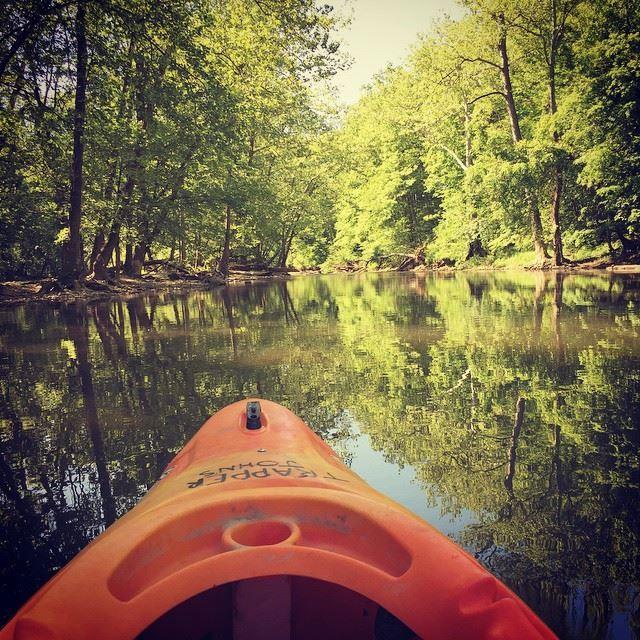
512	401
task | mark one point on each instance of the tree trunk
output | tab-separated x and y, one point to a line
128	257
196	257
475	245
282	252
558	256
513	448
104	257
98	244
467	135
182	253
124	214
137	260
285	247
101	260
72	268
505	71
536	228
516	133
118	264
223	266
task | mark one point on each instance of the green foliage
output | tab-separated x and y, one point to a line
445	117
190	109
210	112
605	135
381	204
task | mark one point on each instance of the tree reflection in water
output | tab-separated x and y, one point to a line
96	398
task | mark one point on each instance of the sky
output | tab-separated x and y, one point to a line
382	32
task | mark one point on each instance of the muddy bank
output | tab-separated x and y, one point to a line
628	264
48	290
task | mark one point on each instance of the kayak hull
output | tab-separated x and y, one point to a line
268	523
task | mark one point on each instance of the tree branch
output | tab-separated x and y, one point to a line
455	156
483	60
486	95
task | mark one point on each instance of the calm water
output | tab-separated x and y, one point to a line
412	378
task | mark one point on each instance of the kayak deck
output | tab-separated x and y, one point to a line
258	530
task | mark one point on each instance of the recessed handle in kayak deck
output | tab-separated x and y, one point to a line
260	533
302	525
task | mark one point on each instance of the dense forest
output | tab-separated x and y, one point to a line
137	129
203	134
511	136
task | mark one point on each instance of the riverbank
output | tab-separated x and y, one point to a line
48	289
518	262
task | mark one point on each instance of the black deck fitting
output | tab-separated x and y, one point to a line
253	415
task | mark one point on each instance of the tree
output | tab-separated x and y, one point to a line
493	15
73	262
544	26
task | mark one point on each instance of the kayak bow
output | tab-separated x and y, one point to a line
257	530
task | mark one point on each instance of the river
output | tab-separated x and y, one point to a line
412	378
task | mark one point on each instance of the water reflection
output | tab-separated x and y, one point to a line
421	374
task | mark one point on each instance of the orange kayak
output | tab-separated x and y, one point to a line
257	530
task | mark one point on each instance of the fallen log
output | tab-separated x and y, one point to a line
168	264
409	260
242	266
